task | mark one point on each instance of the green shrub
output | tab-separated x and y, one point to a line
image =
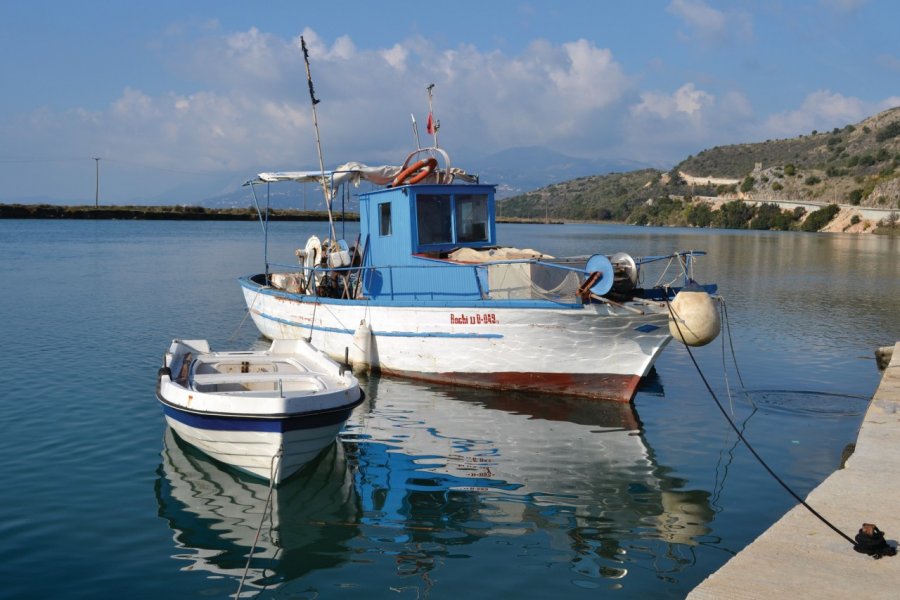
700	215
725	189
887	132
855	197
820	218
769	217
748	183
812	180
790	170
777	187
855	220
734	215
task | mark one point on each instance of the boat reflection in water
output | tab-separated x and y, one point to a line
214	512
514	490
560	480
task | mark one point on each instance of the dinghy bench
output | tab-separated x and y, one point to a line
272	382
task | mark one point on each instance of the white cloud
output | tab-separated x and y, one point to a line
822	109
687	101
710	25
664	128
396	57
249	107
700	16
892	102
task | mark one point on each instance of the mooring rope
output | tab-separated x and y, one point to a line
273	471
747	443
246	314
727	326
731	344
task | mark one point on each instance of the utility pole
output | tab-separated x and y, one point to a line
96	181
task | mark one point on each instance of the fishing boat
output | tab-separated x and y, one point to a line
428	291
266	412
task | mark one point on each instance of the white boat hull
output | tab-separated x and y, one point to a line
256	452
595	350
267	412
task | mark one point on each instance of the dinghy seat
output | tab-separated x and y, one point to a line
310	382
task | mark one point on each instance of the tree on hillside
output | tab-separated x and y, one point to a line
734	215
771	217
820	218
700	215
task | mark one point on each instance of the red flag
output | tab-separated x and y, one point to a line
429	127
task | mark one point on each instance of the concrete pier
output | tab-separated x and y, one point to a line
801	557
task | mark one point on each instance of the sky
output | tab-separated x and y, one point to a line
185	100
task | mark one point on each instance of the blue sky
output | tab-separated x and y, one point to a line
170	93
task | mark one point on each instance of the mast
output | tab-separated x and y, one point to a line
312	97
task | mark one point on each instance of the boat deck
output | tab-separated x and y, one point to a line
234	372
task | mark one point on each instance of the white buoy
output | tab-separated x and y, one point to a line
361	349
698	317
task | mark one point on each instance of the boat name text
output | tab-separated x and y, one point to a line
474	319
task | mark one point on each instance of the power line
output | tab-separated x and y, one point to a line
115	160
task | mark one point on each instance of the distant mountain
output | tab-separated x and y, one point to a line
855	165
306	196
514	171
519	170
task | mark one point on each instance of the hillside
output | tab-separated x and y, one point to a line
857	165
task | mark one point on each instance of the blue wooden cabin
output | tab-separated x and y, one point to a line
407	233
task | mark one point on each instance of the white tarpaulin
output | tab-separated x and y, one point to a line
352	172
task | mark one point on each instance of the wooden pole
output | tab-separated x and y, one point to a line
312	97
96	181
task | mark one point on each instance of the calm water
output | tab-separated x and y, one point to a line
433	491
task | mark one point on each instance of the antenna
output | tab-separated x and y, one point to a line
312	97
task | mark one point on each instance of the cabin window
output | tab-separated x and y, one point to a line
434	219
471	218
384	218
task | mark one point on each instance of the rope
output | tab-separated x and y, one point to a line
246	314
272	472
746	443
731	344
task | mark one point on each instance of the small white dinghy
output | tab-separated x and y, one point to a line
266	412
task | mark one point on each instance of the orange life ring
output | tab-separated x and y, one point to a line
429	164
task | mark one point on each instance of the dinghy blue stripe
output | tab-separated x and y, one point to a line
222	423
